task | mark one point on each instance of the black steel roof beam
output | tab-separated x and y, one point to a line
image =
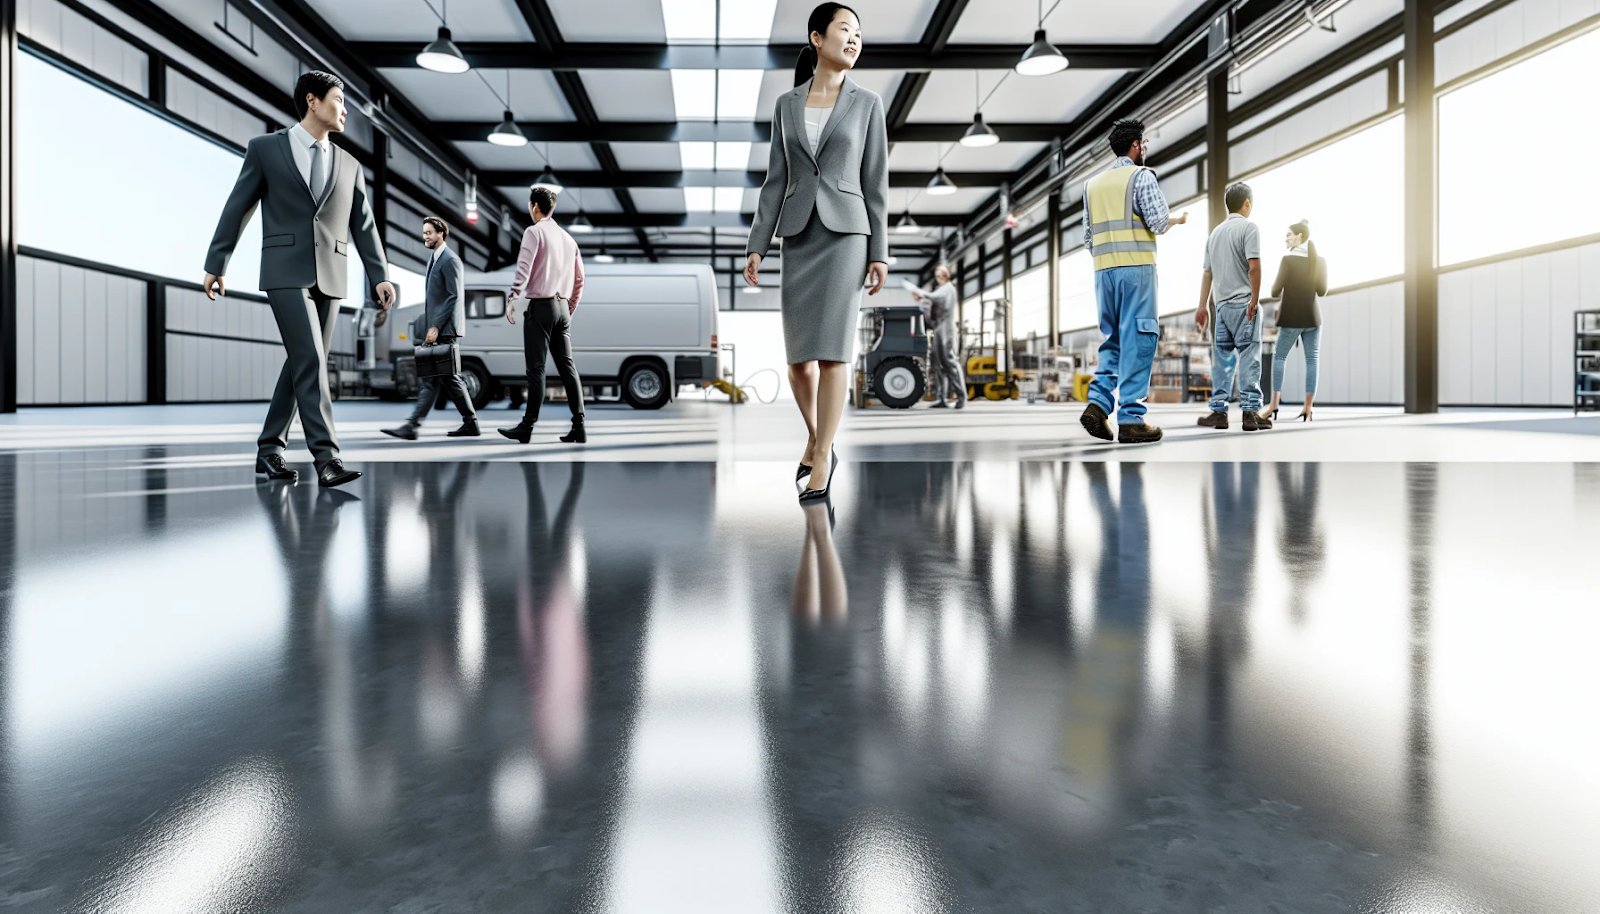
531	55
942	24
643	221
730	131
705	178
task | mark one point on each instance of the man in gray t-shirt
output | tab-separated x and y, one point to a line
943	359
1233	279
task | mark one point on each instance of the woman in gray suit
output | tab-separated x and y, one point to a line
832	222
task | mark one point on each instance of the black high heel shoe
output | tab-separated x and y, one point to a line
1305	415
1273	415
809	495
803	472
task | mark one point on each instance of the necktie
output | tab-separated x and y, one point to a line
319	171
431	261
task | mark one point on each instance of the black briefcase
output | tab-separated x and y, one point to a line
438	360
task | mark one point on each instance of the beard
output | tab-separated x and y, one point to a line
1139	159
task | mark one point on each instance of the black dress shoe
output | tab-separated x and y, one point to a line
274	468
960	403
407	432
577	435
518	433
334	474
940	405
1094	422
468	429
1138	434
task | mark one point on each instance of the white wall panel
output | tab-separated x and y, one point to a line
25	349
47	332
1505	32
73	310
203	369
71	35
80	335
1365	99
1360	358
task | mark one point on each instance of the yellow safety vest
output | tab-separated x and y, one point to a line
1119	237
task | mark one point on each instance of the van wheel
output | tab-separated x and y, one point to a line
480	387
897	383
644	386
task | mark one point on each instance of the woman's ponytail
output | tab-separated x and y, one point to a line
806	65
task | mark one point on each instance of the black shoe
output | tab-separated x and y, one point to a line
810	495
468	429
334	474
1094	422
407	432
961	403
940	405
1255	422
1215	419
577	435
802	472
275	468
519	433
1138	434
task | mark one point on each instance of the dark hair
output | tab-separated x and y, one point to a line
313	82
1303	229
438	225
1125	133
1237	196
821	17
544	198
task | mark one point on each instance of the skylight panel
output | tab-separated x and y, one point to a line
694	21
738	92
694	94
746	20
729	199
699	199
699	155
730	157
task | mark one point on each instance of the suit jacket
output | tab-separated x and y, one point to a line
445	306
304	244
846	183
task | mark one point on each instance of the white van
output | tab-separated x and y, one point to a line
640	331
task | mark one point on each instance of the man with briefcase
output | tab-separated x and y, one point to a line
435	333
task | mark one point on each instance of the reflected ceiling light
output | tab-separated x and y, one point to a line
508	133
442	56
979	134
1041	58
907	225
941	184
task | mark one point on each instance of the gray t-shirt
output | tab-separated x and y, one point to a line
942	306
1229	250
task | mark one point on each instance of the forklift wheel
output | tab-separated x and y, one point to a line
898	382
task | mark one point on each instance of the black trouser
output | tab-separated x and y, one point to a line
306	319
428	394
547	327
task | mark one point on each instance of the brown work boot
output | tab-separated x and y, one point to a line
1216	419
1255	422
1138	434
1094	422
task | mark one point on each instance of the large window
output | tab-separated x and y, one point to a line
1030	313
1078	307
1498	190
1352	193
1179	256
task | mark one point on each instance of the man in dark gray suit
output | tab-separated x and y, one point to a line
313	200
444	313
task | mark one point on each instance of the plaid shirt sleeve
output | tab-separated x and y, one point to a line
1148	202
1088	233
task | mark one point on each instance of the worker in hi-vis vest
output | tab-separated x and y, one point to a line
1123	212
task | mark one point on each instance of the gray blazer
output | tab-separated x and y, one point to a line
303	245
848	182
446	306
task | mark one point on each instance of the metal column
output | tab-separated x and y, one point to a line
1005	271
380	186
1217	144
1053	253
155	339
8	206
1421	199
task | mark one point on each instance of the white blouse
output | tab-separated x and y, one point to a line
816	119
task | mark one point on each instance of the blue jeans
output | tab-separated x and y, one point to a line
1127	297
1310	343
1237	338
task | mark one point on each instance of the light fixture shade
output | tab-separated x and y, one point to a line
547	180
508	133
1041	58
941	184
442	56
979	134
581	224
751	290
604	257
907	225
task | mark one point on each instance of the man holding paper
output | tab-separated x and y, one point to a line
942	359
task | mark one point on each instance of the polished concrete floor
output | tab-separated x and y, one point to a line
995	678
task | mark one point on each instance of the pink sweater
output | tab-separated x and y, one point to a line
549	265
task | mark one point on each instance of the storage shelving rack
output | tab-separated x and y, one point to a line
1586	360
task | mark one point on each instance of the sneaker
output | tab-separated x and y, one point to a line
1255	422
1217	419
1138	434
1094	422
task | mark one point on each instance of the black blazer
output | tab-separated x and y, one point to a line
1297	288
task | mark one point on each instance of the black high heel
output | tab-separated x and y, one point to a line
1273	415
1305	415
803	472
809	495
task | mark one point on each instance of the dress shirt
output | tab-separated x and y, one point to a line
549	265
1148	203
300	143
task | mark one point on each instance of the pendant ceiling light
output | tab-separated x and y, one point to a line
941	184
979	134
581	224
508	133
441	54
547	178
1041	58
604	257
907	225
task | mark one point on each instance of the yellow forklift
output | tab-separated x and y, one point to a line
982	364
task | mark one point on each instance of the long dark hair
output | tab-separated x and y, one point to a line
1303	229
821	17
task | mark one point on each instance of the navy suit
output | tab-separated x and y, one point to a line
444	309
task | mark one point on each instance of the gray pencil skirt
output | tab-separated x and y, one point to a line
823	272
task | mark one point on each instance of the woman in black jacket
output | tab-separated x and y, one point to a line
1302	279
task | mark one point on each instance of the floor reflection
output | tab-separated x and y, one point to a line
973	686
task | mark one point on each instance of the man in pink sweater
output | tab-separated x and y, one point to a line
550	277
